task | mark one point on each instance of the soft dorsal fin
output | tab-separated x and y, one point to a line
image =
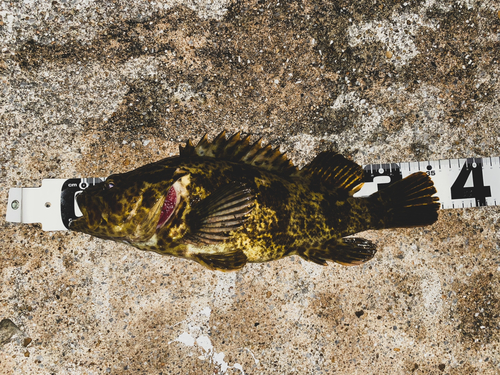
333	170
237	149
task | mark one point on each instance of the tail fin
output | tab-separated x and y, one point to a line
405	203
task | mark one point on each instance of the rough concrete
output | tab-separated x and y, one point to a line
94	87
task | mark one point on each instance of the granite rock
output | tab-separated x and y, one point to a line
89	88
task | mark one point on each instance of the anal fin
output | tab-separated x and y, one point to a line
228	261
353	251
349	251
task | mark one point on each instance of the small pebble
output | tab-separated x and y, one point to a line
7	330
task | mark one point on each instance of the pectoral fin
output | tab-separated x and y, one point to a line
349	251
223	211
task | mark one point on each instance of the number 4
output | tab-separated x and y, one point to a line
478	190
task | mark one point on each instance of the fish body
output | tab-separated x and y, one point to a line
228	202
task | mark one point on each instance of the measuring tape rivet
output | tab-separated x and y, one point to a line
47	204
15	205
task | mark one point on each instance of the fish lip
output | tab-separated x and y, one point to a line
81	202
171	198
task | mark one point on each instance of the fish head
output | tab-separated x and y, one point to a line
131	207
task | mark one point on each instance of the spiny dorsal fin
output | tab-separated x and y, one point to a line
334	170
186	150
240	150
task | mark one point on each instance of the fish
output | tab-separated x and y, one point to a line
228	202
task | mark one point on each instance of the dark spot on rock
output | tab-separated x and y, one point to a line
339	120
142	108
420	150
359	313
441	367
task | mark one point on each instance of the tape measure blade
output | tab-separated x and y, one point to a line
491	178
464	182
14	206
443	179
439	175
470	182
43	205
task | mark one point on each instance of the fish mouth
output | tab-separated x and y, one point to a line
168	208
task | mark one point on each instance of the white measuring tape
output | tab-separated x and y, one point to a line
460	183
53	204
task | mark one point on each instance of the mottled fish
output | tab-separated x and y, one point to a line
228	202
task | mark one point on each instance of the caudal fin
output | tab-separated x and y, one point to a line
405	203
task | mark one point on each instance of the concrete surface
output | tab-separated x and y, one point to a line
94	87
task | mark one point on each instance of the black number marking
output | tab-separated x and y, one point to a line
478	190
392	170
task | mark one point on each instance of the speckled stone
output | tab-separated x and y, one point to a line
8	330
89	88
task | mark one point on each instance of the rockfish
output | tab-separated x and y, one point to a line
228	202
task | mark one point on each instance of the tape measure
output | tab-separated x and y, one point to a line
460	183
53	204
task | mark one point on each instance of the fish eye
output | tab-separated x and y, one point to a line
109	185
